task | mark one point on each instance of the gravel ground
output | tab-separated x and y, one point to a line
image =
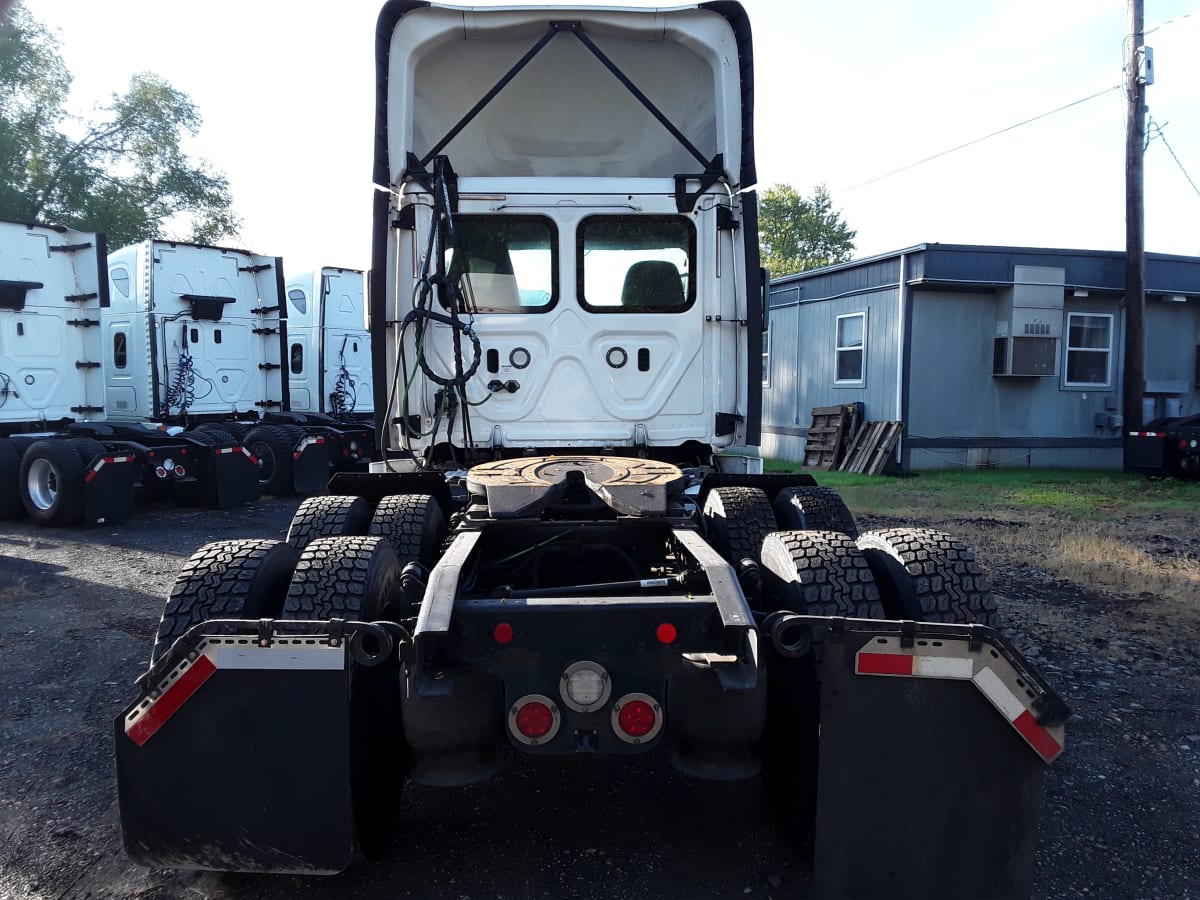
78	610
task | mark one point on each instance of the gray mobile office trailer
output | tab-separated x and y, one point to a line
988	355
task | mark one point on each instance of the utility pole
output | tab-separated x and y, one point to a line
1137	74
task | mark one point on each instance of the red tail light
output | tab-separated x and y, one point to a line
637	718
534	719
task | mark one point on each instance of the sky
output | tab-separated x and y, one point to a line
846	94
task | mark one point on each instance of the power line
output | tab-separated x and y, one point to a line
1161	135
978	140
1166	23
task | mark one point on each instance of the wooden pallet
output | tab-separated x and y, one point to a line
871	447
825	444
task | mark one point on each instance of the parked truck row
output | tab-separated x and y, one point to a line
169	370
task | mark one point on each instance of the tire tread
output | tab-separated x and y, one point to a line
928	575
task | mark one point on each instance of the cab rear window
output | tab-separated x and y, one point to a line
504	264
635	263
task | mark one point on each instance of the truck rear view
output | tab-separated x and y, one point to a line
568	546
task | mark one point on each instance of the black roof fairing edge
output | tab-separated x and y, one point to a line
735	14
391	13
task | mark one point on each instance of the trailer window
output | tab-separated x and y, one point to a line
297	359
636	263
851	348
1089	346
120	350
504	264
299	300
766	357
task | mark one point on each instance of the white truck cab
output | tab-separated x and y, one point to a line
566	263
193	332
328	347
52	290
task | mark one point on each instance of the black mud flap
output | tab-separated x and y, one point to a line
236	474
310	466
933	744
108	490
239	760
1145	451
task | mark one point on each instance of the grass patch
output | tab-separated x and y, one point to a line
1074	492
1106	531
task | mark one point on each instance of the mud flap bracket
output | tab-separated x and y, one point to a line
310	466
933	744
236	477
108	491
239	759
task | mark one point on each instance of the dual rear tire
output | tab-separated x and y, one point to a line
314	576
328	567
50	479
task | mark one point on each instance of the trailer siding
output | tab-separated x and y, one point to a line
957	412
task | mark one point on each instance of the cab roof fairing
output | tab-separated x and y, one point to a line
435	63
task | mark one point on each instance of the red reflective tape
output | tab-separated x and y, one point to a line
171	700
89	476
885	664
1039	738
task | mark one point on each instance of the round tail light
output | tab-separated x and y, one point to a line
160	472
180	471
534	719
637	718
585	686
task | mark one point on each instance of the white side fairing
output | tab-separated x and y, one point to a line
51	289
569	208
202	331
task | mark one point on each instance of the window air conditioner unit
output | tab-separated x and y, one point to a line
1024	356
1030	323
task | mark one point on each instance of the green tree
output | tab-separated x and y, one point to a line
123	173
798	233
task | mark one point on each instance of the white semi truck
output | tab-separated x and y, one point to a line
329	347
569	547
198	336
63	461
